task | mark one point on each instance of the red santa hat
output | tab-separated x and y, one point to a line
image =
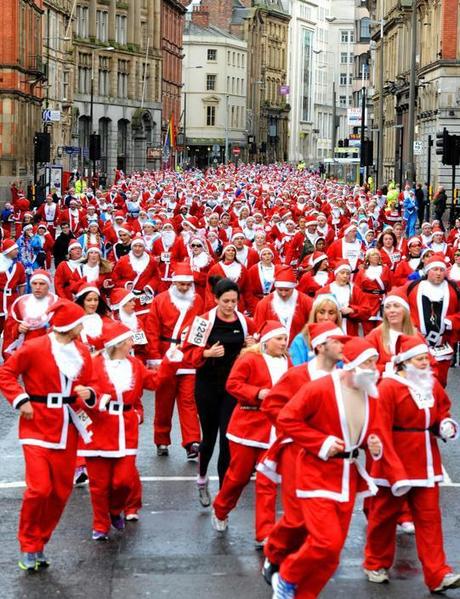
348	228
191	221
27	227
270	329
114	333
436	261
409	346
119	214
437	231
167	223
237	233
73	244
285	278
356	351
267	248
182	273
397	295
93	247
119	297
342	265
414	240
311	220
41	275
86	287
125	228
138	239
317	257
65	315
8	246
320	332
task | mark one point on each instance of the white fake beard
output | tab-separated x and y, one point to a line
186	235
284	309
420	378
130	320
120	373
168	238
36	307
366	380
92	325
5	263
182	301
67	357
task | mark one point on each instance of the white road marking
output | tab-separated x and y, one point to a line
447	478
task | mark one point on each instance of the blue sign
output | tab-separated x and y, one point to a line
71	150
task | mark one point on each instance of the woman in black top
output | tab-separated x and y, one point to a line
229	333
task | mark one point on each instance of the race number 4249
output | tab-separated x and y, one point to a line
199	331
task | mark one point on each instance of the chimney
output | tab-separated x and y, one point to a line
200	15
220	13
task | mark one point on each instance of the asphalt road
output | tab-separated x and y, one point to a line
173	552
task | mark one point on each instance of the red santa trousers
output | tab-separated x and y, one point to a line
384	510
110	484
327	523
134	501
443	371
180	388
289	532
243	460
49	483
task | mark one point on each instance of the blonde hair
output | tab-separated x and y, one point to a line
105	266
369	254
317	306
407	329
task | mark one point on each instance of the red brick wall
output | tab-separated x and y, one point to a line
172	27
449	29
220	13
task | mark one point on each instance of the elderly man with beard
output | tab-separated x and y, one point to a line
55	371
170	312
286	304
166	250
414	410
331	419
28	317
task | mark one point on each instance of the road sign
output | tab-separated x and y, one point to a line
354	117
71	150
418	148
51	116
153	153
236	151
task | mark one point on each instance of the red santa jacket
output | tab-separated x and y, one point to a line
259	283
116	416
54	402
311	284
314	417
412	429
450	313
250	374
400	276
20	313
63	280
145	282
49	213
11	280
236	272
164	323
267	309
374	289
337	251
357	302
77	221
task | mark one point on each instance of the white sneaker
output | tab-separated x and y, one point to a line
407	528
219	525
450	581
378	576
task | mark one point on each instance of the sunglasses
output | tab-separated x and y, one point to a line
196	245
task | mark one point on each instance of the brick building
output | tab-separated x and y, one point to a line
172	29
22	75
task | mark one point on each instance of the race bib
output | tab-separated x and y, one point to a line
422	401
165	257
84	419
145	298
440	351
199	331
139	338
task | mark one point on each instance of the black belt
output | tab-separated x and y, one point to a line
345	455
412	429
375	291
250	408
127	408
44	398
169	339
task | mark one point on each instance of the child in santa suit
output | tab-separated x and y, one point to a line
327	341
118	380
56	371
251	378
123	304
414	410
331	419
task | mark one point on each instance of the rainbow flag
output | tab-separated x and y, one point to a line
172	131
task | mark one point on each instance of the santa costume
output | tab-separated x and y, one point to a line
12	279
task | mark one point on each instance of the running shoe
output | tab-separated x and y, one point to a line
132	517
219	525
450	581
28	562
42	560
80	477
203	494
192	451
98	535
162	450
268	569
282	589
379	576
118	522
407	527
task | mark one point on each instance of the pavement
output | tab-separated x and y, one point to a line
172	552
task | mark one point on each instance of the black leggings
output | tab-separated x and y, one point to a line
215	407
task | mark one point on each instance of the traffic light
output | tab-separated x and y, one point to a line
367	153
94	147
442	145
42	146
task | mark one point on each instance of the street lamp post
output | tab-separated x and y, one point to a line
412	90
381	106
185	152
